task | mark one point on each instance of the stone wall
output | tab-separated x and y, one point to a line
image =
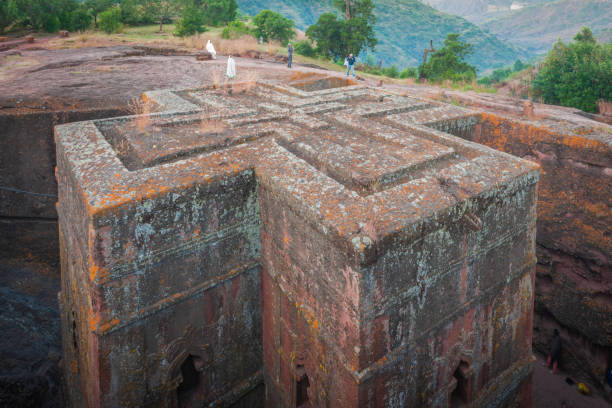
152	283
29	255
320	239
574	245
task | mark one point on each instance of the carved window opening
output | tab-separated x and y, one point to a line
302	384
461	395
188	388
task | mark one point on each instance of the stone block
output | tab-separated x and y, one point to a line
204	56
314	235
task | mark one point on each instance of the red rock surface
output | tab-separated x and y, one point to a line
89	80
574	274
396	262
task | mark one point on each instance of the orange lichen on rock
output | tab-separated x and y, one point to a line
328	217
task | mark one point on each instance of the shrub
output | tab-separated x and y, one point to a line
191	22
234	30
519	65
409	72
52	24
80	20
130	13
448	63
110	20
577	74
485	80
273	26
305	48
391	72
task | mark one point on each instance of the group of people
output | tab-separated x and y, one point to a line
349	62
231	63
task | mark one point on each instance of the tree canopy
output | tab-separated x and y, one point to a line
271	25
577	74
449	62
337	37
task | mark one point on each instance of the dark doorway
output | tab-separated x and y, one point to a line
302	384
188	389
462	394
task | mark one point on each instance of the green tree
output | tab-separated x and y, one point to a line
162	10
9	13
358	31
40	14
409	72
391	72
337	38
577	74
131	12
305	48
52	24
327	32
191	22
98	6
585	36
110	20
80	20
220	12
449	62
519	65
355	8
235	29
273	26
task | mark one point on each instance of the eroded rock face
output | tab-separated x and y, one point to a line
315	236
574	245
30	349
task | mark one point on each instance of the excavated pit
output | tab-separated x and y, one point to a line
573	287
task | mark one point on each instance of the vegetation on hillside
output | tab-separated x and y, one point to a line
501	74
336	37
449	62
538	26
403	29
577	74
73	15
270	25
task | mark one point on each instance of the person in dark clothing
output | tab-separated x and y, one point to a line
350	64
289	55
555	351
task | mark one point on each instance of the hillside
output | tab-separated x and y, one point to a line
478	11
404	28
537	27
604	35
532	24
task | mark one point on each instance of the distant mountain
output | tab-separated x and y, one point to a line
537	27
604	35
532	24
403	29
477	11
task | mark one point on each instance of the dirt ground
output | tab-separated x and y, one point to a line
552	390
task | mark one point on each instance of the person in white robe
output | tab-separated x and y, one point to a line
231	67
211	49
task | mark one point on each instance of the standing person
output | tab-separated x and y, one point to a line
289	55
211	49
555	351
350	64
231	68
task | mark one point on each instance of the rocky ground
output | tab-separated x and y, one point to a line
35	79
